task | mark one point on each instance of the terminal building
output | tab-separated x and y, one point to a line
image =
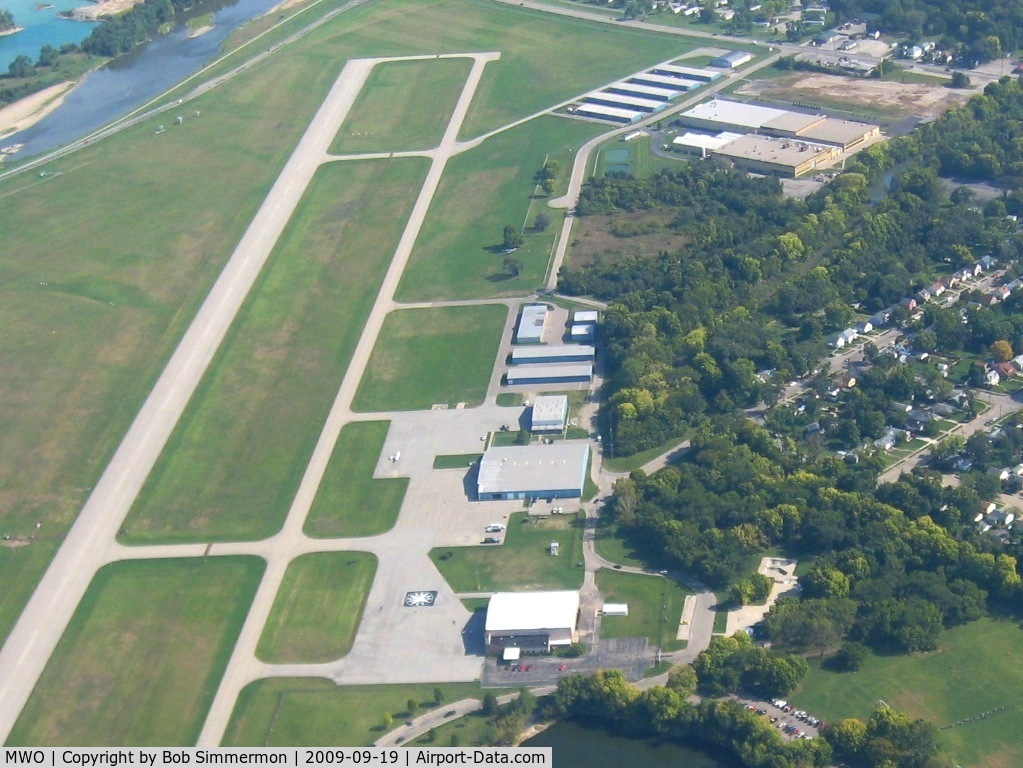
530	622
549	414
556	471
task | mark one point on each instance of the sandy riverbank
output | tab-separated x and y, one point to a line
102	8
28	111
11	31
200	31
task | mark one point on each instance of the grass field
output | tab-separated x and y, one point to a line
232	466
637	460
142	657
458	254
613	547
428	356
318	609
349	501
103	266
655	607
456	460
522	562
642	161
975	669
404	105
312	712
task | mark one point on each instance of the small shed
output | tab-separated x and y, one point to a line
616	609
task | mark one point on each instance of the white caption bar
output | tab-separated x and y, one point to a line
297	757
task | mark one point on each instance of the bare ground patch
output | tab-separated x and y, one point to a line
596	235
916	99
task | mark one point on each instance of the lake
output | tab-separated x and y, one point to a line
40	26
577	745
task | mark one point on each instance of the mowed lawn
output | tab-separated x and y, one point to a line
103	266
975	669
428	356
231	468
545	59
143	655
523	561
403	105
318	608
655	607
312	712
349	502
458	253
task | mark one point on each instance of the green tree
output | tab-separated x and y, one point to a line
850	657
489	704
48	56
20	67
541	222
6	20
511	238
1001	351
547	187
682	680
386	721
438	696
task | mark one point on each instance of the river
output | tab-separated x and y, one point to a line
133	79
577	745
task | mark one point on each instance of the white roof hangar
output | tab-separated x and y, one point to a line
666	81
613	114
644	91
556	471
531	620
719	112
622	101
531	324
549	413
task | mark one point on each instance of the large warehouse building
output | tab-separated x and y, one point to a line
718	115
530	622
556	471
782	157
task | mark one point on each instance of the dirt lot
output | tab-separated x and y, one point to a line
901	99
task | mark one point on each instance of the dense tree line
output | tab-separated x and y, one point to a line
889	578
119	34
759	280
974	30
889	738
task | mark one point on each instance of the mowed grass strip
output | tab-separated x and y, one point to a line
458	253
143	655
350	502
523	561
404	105
102	268
318	608
428	356
655	607
312	712
975	669
231	468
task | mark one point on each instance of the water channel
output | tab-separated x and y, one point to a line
133	79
